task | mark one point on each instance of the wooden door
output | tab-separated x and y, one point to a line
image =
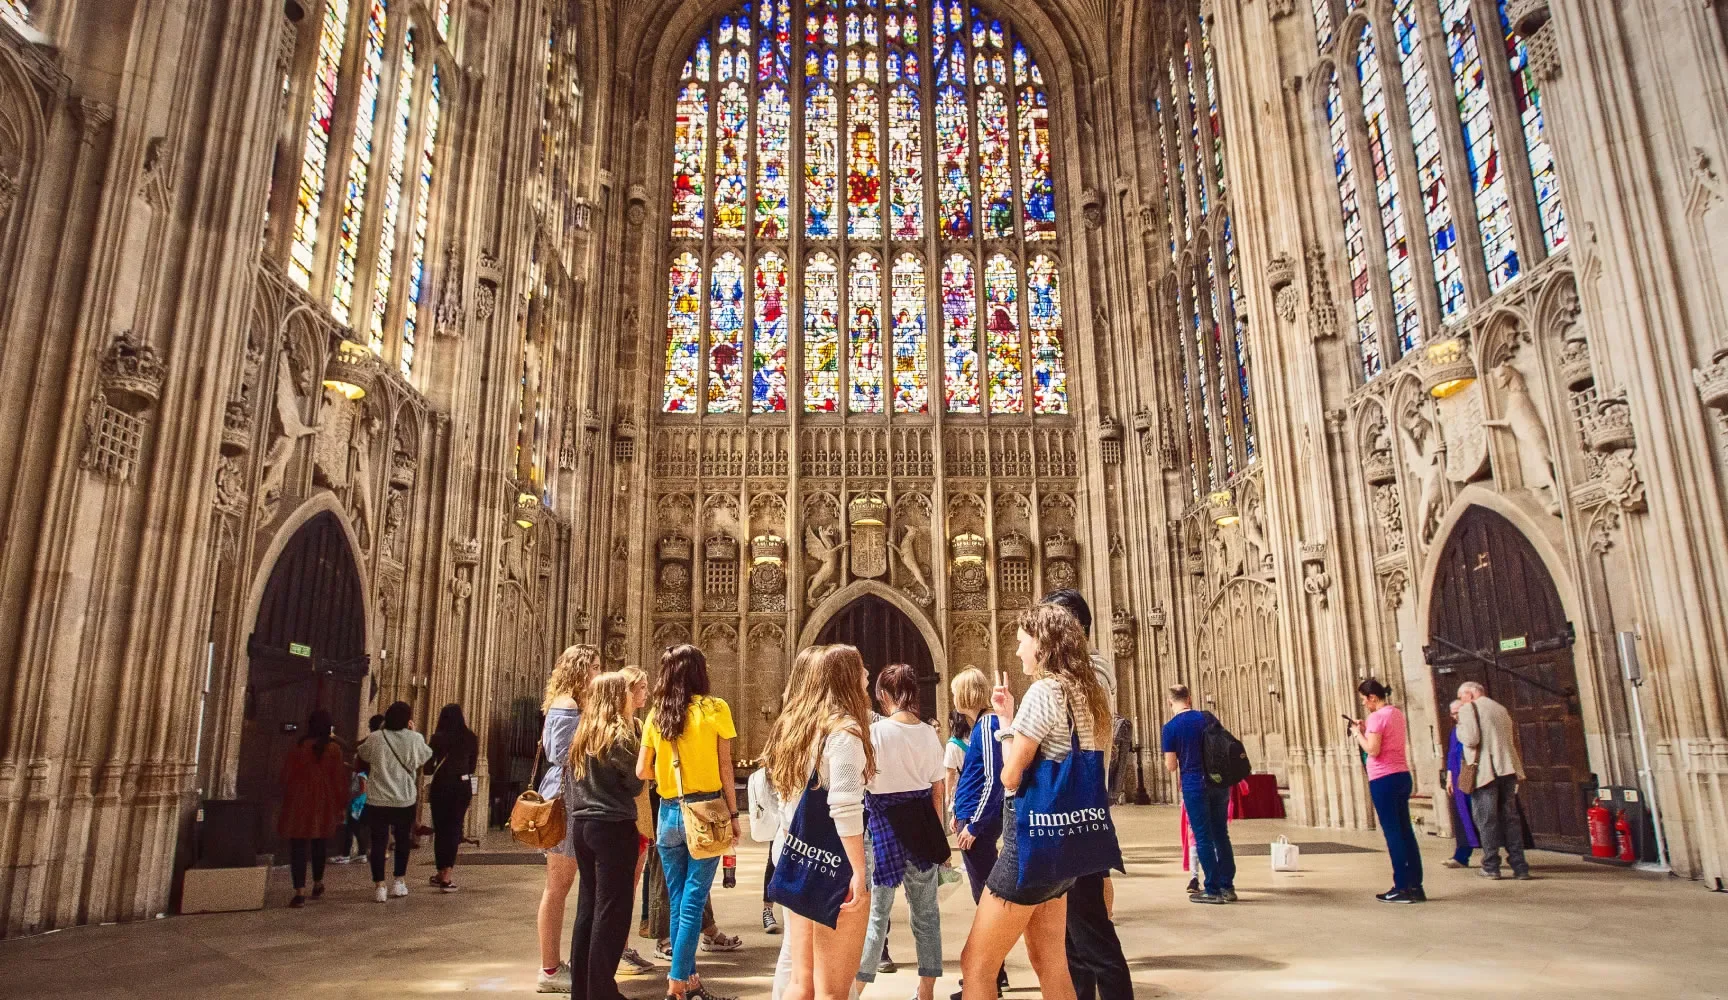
307	651
884	635
1496	618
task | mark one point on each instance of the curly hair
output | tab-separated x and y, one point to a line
606	722
1064	655
576	666
827	695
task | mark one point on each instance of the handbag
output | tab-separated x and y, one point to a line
707	824
1286	857
535	820
1062	824
1467	773
813	876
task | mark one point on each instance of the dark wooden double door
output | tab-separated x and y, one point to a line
1496	618
884	635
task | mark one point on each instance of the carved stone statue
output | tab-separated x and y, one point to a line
1259	556
1535	452
907	549
824	545
514	559
360	480
289	429
1424	457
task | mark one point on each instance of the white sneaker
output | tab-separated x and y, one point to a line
557	982
382	894
399	889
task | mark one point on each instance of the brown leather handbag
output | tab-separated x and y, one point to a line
536	821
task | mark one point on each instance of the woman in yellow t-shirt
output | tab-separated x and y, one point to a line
687	750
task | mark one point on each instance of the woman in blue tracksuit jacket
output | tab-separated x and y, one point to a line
977	821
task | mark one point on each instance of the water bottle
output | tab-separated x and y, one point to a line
730	864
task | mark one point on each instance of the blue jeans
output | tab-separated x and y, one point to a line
1391	795
1209	818
687	883
926	919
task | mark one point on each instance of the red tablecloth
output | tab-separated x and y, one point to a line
1256	798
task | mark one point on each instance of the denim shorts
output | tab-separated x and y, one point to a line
1004	879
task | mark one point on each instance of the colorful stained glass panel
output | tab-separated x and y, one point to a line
863	165
953	159
1406	318
822	334
1049	361
419	287
864	339
773	134
689	162
1355	243
1481	147
1002	336
995	177
315	156
821	160
1529	99
683	334
906	163
960	335
911	339
393	193
1430	172
726	334
768	336
731	160
1039	190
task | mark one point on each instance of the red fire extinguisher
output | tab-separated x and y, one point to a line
1624	830
1601	830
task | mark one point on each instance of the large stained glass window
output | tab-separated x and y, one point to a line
1529	99
1476	116
359	166
419	287
1355	244
315	157
925	181
393	193
1220	356
1406	317
16	11
1239	320
1430	172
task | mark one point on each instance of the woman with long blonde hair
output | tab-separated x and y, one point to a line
600	794
565	689
822	730
1064	701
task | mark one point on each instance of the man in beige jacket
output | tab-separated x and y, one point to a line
1487	732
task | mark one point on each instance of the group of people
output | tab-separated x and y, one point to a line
1483	766
376	796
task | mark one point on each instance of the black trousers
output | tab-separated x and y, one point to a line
767	877
298	849
606	869
1095	960
449	809
383	821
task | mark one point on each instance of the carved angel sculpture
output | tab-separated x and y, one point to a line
290	428
1422	453
824	545
908	551
1254	533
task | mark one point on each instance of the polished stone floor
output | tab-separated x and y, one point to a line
1578	930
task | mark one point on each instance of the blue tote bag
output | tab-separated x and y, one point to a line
1062	825
813	874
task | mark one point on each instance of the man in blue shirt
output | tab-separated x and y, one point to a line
1208	804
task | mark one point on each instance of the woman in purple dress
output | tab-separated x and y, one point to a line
1463	827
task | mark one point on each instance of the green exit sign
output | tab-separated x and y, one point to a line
301	649
1507	645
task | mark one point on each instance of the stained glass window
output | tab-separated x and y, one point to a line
1213	117
1164	172
822	334
960	335
1406	318
315	158
1183	363
1221	352
16	11
864	353
1194	128
1430	172
359	167
1002	335
683	338
1476	115
1323	22
768	375
874	178
419	286
1239	322
1529	99
1203	391
1049	366
1181	160
393	192
1355	245
444	18
726	334
911	340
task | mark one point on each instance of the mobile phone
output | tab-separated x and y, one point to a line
1347	720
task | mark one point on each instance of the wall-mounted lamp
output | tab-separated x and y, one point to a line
1224	511
1447	370
350	370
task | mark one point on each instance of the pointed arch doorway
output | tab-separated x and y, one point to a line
307	651
884	634
1496	617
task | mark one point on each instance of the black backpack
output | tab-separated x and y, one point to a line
1223	758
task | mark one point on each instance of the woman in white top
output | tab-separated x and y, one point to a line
822	729
910	778
1065	699
393	757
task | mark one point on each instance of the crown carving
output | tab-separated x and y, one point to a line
131	374
869	508
1281	271
1061	546
1015	546
236	429
465	551
674	548
1575	364
1109	429
764	548
1447	364
403	468
1610	427
968	547
720	548
1377	467
1712	382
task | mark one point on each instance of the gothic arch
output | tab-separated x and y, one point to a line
858	588
322	502
1544	533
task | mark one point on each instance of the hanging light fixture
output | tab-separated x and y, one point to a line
1447	368
350	370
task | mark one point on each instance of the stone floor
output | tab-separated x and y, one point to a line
1578	930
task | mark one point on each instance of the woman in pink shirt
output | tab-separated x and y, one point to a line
1383	737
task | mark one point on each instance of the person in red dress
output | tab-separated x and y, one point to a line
314	790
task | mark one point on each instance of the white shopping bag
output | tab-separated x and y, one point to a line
1286	857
